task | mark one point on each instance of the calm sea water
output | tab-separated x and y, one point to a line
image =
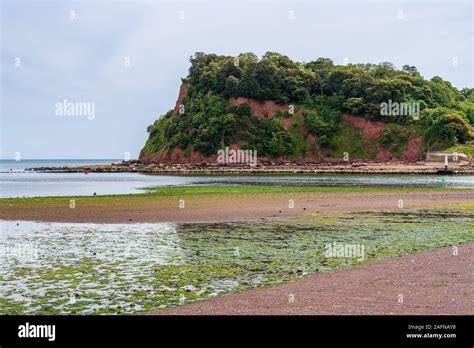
8	166
16	182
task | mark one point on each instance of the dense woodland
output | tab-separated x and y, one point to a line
321	92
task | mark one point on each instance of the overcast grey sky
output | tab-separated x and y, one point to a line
82	59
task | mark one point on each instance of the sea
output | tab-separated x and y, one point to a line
17	181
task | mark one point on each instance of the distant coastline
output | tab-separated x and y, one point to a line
270	167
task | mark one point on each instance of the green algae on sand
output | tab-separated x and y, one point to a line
119	269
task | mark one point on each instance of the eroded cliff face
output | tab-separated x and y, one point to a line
183	91
260	108
370	131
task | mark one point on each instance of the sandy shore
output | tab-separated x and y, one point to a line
220	207
434	282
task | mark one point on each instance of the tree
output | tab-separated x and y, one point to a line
410	69
389	65
443	127
319	89
232	86
354	105
443	93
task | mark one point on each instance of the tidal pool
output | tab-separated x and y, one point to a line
71	268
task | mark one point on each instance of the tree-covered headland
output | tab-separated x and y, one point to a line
312	99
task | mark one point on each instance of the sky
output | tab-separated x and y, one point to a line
126	58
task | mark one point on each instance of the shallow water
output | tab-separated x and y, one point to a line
70	268
31	184
16	182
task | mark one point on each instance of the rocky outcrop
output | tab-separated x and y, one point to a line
267	167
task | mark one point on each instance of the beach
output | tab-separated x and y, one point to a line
201	204
168	169
235	246
436	282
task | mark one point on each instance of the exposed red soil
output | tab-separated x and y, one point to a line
197	157
370	129
312	139
286	122
177	156
413	150
183	91
428	283
260	108
384	155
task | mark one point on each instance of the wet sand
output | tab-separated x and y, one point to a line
222	207
433	282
